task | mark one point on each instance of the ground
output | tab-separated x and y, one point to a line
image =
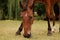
8	29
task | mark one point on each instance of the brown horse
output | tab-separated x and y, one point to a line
27	18
27	15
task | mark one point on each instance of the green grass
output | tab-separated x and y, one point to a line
8	29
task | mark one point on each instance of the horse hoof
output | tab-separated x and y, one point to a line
49	33
18	33
27	36
53	31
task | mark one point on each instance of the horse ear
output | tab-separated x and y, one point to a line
32	6
21	4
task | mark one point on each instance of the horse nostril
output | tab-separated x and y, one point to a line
27	36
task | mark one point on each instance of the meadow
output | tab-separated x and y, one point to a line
8	29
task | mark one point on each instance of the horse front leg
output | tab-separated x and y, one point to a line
53	18
49	27
48	5
53	28
20	29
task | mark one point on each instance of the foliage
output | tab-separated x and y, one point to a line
39	8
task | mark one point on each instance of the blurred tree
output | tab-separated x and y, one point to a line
39	8
56	10
10	9
3	8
